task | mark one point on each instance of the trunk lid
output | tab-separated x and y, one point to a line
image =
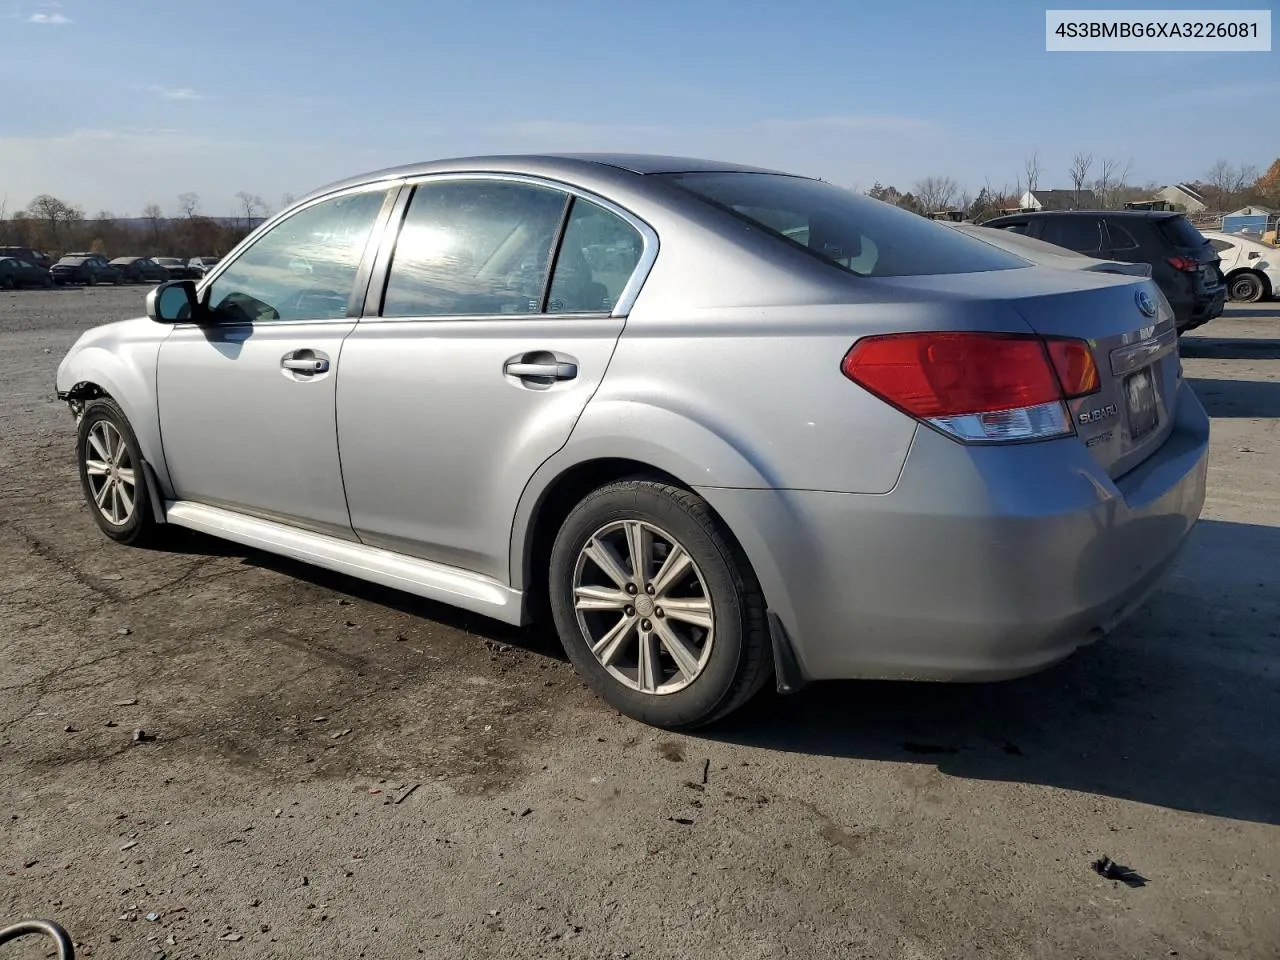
1130	331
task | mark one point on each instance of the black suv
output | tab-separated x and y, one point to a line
1183	264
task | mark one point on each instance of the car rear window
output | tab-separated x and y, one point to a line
850	231
1180	231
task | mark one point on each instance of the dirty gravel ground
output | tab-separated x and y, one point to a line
289	706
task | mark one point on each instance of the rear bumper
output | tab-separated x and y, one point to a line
1200	308
982	563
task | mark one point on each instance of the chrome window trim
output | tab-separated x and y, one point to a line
630	291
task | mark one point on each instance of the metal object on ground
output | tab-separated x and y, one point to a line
26	928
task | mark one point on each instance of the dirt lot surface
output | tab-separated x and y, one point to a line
290	709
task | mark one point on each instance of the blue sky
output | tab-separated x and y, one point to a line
115	105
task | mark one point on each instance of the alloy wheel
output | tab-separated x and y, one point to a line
112	474
643	606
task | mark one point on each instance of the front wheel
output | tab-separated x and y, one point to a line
111	473
1246	287
656	605
7	283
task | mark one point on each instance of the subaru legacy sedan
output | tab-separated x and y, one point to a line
721	425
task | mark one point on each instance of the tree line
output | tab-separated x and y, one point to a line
1224	186
55	227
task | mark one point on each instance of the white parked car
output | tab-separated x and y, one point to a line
1251	267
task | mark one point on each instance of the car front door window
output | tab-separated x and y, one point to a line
303	269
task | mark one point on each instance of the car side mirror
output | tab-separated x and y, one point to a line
174	302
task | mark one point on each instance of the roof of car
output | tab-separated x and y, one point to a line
1128	214
548	165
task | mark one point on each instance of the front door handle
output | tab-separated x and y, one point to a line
545	371
305	364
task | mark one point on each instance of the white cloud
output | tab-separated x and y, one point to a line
171	93
52	19
137	166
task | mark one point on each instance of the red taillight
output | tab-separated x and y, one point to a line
1182	263
977	386
1073	362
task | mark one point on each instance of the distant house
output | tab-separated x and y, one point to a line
1059	200
1253	219
1184	197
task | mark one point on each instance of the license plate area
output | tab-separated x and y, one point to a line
1140	403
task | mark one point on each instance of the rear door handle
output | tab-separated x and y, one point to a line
547	371
305	365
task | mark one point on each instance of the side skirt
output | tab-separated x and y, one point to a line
435	581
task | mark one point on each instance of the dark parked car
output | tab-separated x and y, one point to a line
33	257
178	269
1183	264
87	269
16	273
140	270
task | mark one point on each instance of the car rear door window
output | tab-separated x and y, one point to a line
1121	239
1222	246
304	268
598	254
1082	234
474	247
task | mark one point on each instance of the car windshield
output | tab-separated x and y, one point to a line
846	229
169	261
73	261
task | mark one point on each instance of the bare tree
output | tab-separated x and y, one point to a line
1111	181
1223	181
287	200
935	193
153	215
189	204
1079	173
1031	167
252	206
55	214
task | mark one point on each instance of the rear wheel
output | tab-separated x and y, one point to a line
656	605
91	280
111	473
6	283
1247	287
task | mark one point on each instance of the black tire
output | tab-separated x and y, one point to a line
140	527
740	662
91	280
47	282
1246	287
7	283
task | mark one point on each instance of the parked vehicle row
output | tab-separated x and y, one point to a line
24	267
721	423
1183	263
15	274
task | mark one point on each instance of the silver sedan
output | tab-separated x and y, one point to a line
722	425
